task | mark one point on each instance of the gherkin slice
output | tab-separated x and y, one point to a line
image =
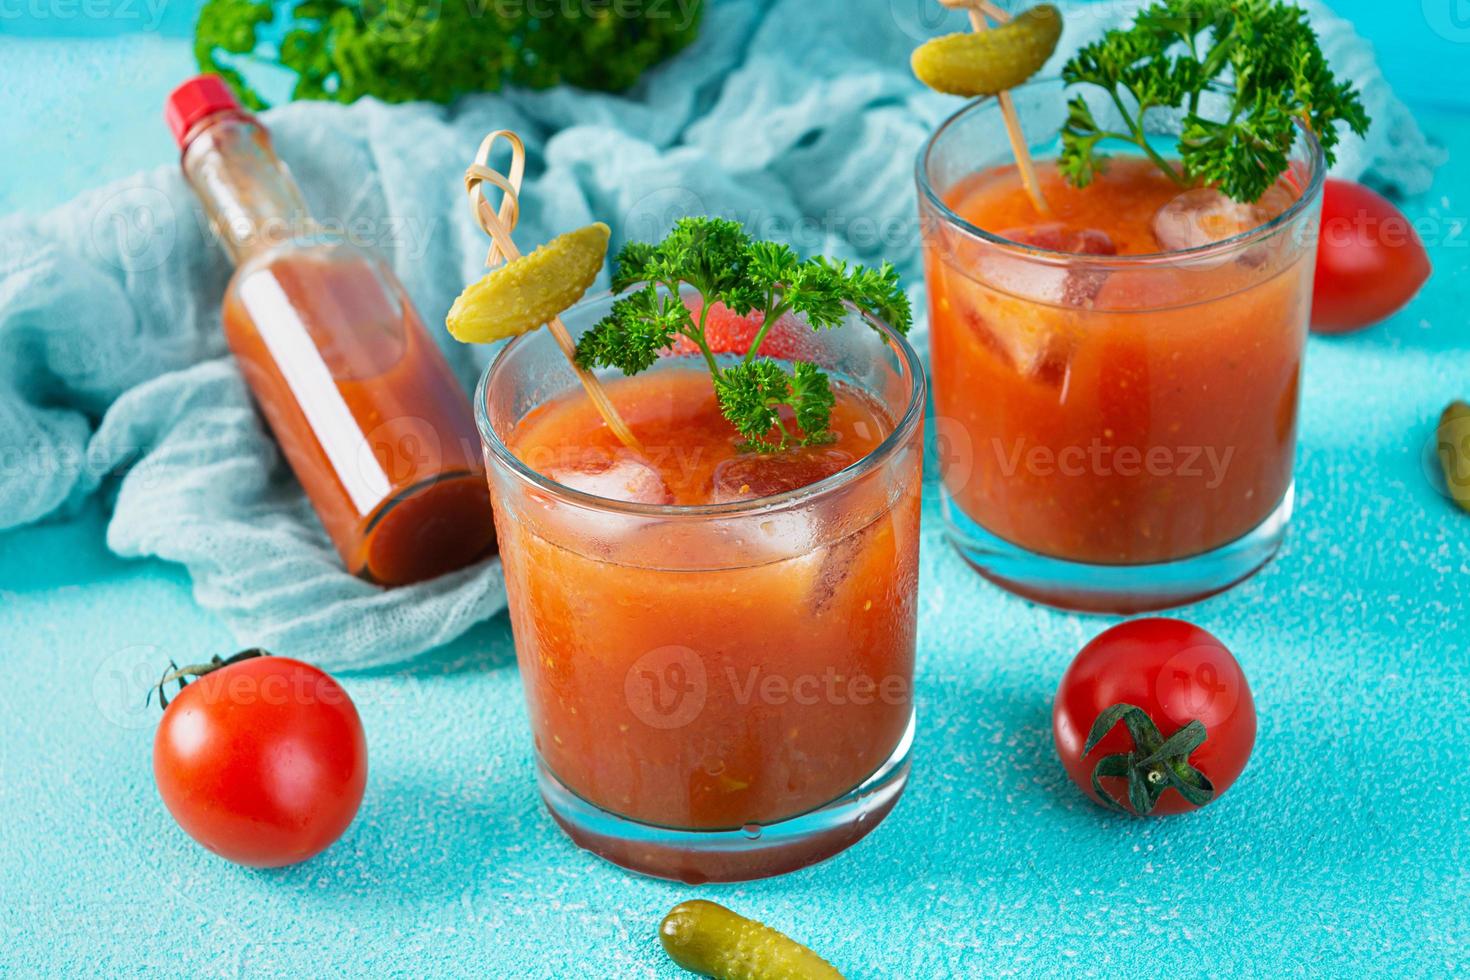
986	62
527	292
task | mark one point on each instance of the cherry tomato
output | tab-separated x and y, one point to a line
1154	716
1370	261
262	759
727	333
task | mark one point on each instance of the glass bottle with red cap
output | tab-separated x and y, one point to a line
364	406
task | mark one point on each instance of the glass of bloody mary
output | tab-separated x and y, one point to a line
717	644
1116	382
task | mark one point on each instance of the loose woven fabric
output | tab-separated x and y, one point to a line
799	118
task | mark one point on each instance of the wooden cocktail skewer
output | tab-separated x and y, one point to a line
498	224
978	9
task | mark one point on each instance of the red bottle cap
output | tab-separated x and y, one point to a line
193	101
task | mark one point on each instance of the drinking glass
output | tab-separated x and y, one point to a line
716	692
1115	432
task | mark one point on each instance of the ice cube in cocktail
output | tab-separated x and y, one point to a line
617	475
751	475
1204	216
1024	305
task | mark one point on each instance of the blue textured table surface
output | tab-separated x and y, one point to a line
1344	842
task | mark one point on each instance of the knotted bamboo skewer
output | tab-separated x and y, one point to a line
978	10
498	224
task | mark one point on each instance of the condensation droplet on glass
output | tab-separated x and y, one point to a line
752	831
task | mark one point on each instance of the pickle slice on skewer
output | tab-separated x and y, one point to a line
988	62
711	940
527	292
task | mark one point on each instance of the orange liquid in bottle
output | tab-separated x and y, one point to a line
366	411
361	401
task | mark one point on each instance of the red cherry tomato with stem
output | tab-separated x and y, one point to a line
1154	716
261	759
1370	261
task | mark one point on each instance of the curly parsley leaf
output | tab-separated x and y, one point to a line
810	397
770	406
752	393
630	337
878	292
1265	51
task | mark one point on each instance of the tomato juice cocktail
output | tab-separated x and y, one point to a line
1115	382
717	645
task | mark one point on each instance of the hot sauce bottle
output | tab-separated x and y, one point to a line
360	399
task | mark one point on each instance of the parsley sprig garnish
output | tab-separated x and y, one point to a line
1175	50
719	260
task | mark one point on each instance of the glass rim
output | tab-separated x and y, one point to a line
903	430
1237	242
